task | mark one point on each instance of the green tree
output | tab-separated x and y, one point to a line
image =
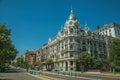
49	63
85	60
98	63
26	65
19	62
7	50
36	64
114	54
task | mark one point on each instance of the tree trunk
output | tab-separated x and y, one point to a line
114	70
110	69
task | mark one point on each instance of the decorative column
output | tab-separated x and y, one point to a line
69	65
74	66
64	66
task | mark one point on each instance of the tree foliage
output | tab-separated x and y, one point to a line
49	61
36	64
98	63
21	63
114	53
85	60
8	51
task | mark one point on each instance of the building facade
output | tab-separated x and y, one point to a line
112	29
30	57
70	42
38	56
44	55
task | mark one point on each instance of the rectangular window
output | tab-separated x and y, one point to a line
71	39
71	55
71	63
71	68
109	30
110	34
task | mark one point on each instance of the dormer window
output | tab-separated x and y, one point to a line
71	47
66	32
77	32
76	24
71	31
70	23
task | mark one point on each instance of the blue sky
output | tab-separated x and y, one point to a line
34	21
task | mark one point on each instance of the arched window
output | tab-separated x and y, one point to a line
71	39
71	63
70	23
66	32
71	47
77	32
83	42
83	48
71	30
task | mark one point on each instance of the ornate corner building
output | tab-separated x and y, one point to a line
70	42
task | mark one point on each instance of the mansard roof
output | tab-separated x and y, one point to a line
106	26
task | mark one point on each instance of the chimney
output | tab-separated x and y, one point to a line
98	27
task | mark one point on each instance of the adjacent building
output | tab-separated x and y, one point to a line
112	29
30	56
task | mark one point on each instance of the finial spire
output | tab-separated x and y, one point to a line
72	17
86	25
71	11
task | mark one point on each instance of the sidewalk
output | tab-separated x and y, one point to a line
43	77
66	77
111	75
103	74
48	77
83	75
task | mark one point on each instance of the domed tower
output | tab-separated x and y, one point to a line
87	29
69	43
72	26
65	46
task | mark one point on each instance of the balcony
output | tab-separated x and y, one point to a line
67	58
70	50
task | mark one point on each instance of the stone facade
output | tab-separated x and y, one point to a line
70	42
112	29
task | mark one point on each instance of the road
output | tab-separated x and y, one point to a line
17	74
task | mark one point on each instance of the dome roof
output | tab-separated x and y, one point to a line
72	17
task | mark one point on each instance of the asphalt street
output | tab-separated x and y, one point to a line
17	74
